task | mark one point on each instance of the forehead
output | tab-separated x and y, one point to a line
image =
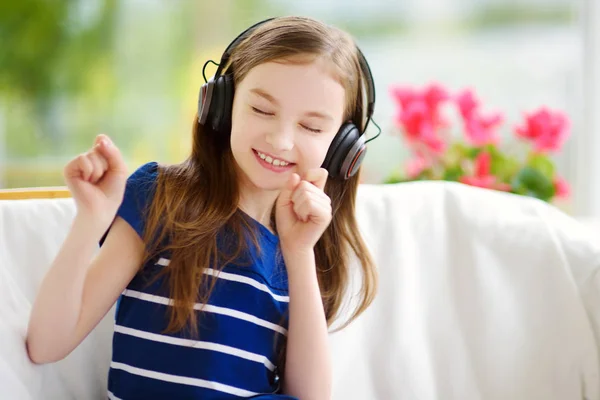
313	80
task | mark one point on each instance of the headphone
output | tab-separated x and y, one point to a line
348	148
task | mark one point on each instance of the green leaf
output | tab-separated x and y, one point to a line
453	173
543	164
505	168
473	152
531	182
456	152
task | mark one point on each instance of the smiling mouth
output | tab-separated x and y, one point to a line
272	163
277	162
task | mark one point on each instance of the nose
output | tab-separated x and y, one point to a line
282	139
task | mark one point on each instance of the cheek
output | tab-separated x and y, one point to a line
241	127
241	132
239	144
314	152
236	140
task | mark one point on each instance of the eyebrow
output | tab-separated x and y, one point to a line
273	100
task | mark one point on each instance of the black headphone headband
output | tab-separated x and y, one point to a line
364	65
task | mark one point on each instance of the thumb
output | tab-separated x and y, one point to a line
317	177
112	154
285	197
100	139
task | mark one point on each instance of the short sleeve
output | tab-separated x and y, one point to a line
139	191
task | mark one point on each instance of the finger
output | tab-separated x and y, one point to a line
100	165
313	211
302	211
72	169
99	139
314	195
84	167
317	177
112	154
313	199
316	202
306	187
285	197
301	189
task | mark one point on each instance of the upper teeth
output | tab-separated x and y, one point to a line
270	160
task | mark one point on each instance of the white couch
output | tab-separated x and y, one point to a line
483	295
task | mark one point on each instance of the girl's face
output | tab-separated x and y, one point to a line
284	117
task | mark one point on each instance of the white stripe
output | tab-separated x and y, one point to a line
208	308
196	344
183	380
237	278
246	280
111	396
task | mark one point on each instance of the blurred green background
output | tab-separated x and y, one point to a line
70	69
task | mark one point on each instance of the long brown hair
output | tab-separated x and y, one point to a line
198	198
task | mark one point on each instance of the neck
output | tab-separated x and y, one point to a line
258	203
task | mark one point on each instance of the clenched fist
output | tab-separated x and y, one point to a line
97	181
303	211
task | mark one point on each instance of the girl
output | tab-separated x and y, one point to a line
229	267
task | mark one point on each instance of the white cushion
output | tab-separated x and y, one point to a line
483	295
31	232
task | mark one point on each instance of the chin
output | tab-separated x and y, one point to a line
269	183
262	179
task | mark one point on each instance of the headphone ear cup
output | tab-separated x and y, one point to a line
222	103
339	147
205	98
216	106
354	157
227	106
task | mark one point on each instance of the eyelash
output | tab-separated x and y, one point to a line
261	112
311	130
256	110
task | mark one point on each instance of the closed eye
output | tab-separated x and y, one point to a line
310	129
261	112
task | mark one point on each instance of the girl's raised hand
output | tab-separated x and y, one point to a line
97	180
303	211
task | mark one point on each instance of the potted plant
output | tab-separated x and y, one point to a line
475	155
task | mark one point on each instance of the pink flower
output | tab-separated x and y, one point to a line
415	166
483	164
419	128
561	187
546	129
419	115
404	95
479	129
467	103
482	177
434	95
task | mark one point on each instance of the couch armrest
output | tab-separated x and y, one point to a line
52	192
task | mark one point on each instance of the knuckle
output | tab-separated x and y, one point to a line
304	194
305	185
94	152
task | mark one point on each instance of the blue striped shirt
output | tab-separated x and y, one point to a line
234	354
